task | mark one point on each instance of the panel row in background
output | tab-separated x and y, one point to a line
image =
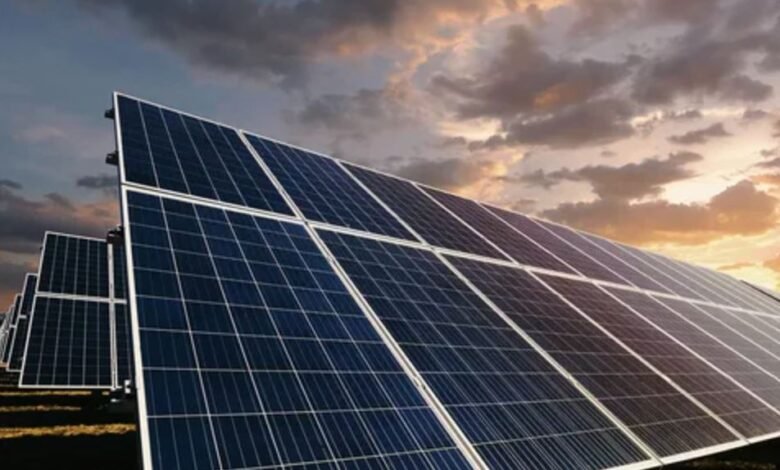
267	343
176	152
71	325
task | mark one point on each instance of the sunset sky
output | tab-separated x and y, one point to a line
654	122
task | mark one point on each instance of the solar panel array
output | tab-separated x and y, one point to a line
13	316
17	342
289	309
78	330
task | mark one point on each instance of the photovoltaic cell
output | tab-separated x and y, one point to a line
734	328
722	333
120	271
11	328
572	256
606	258
168	150
74	266
427	218
763	323
516	409
661	273
324	191
512	242
659	414
721	395
254	354
694	280
69	344
20	336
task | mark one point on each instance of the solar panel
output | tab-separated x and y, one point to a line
669	278
254	353
521	248
767	292
751	299
738	326
605	257
120	271
516	409
584	264
20	336
176	152
11	328
703	286
123	345
655	411
71	340
324	191
765	361
763	323
714	388
429	220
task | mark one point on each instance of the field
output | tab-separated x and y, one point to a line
76	430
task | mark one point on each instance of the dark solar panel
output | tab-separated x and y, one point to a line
659	272
659	414
726	336
563	250
69	344
176	152
255	354
605	257
516	409
11	328
20	337
434	224
736	324
120	271
324	191
512	242
74	265
693	279
720	394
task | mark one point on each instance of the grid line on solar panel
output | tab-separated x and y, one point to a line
752	299
324	191
694	280
709	338
734	298
509	240
515	408
11	328
656	412
123	345
608	259
315	383
20	337
68	345
762	323
74	266
667	278
739	327
723	397
584	264
427	218
174	151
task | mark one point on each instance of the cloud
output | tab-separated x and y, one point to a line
12	280
740	209
735	266
24	221
450	174
522	79
280	40
700	136
754	114
625	182
772	263
106	184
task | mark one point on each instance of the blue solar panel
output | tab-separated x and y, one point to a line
695	315
511	241
176	152
434	224
654	410
324	191
6	353
120	271
69	345
254	354
20	336
722	396
513	405
74	265
563	250
123	344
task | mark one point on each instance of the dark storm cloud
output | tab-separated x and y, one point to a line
700	136
278	40
625	182
741	209
107	184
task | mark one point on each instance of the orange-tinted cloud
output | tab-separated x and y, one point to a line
740	209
